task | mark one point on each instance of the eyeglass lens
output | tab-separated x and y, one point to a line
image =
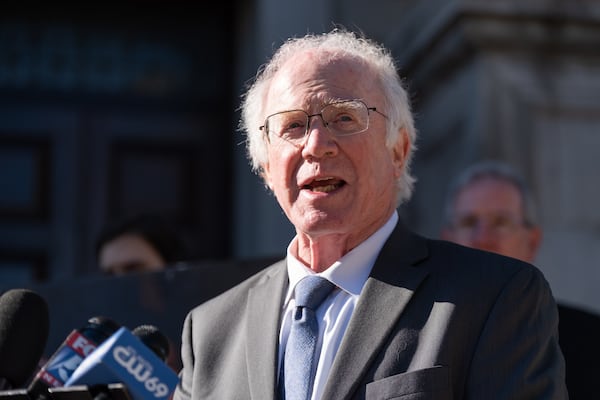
496	224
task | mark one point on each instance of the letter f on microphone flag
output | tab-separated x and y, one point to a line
123	358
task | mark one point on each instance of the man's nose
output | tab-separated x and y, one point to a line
315	121
319	140
483	235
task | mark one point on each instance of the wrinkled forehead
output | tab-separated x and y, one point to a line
313	78
489	193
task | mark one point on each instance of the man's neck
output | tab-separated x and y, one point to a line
322	251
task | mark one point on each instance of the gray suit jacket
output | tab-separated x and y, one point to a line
434	321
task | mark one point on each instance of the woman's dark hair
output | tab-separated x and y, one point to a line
152	228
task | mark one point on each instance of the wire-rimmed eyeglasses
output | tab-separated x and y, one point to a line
495	224
341	118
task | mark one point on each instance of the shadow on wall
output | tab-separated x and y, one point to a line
160	298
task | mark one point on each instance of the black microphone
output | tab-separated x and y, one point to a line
24	325
77	346
153	339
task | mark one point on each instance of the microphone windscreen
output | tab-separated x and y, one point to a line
24	325
154	339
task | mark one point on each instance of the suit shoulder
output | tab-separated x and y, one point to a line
485	259
483	266
238	293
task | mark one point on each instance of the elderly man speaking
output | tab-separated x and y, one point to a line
362	308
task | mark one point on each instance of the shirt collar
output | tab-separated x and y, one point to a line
349	272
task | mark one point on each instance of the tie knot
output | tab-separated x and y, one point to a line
311	291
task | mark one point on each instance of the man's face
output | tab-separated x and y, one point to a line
489	216
327	184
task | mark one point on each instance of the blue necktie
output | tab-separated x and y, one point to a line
299	362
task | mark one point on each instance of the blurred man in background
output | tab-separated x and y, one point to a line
490	207
140	244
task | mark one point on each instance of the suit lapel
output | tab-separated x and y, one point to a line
264	312
386	293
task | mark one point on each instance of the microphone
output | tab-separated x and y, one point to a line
24	325
76	347
124	358
153	339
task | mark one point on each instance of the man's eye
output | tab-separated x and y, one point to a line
345	118
468	222
293	126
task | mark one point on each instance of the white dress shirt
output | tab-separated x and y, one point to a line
349	274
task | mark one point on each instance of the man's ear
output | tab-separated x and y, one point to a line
535	240
400	152
446	234
264	174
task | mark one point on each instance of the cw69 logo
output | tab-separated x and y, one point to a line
157	387
140	369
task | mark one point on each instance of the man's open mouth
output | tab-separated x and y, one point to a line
324	185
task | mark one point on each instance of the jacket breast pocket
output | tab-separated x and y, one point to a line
424	384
